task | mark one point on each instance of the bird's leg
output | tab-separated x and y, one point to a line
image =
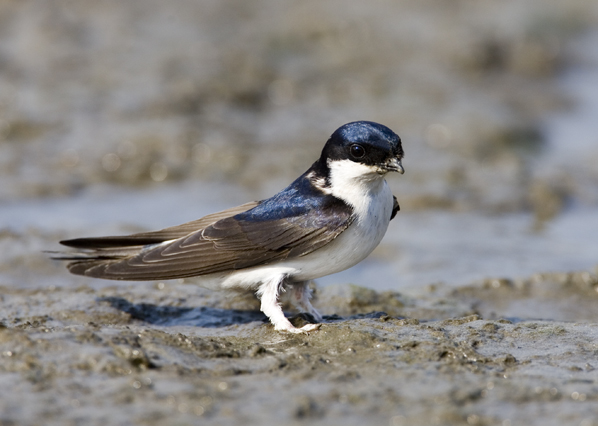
268	294
301	295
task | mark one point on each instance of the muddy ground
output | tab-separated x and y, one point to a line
117	117
168	353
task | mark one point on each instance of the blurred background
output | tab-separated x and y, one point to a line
117	117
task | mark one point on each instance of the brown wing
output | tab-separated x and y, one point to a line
229	244
156	237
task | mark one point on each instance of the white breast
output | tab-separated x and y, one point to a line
364	189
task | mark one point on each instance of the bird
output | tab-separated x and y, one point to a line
329	219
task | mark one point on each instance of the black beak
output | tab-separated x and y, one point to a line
394	165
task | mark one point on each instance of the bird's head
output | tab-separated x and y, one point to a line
365	148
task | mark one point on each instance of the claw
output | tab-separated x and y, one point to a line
310	327
303	330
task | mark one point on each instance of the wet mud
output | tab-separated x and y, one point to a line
173	353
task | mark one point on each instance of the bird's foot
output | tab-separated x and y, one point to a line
268	293
301	330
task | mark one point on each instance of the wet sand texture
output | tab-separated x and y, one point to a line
158	355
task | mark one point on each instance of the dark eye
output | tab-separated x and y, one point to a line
357	151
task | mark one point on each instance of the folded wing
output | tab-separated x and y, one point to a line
222	242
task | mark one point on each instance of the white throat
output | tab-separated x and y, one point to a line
355	183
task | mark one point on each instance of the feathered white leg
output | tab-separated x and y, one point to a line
301	296
268	294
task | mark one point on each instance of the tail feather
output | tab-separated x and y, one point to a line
93	263
100	243
99	254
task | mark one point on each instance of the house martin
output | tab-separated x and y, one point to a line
327	220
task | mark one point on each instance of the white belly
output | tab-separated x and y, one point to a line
353	245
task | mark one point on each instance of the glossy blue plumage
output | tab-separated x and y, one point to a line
299	200
379	138
367	131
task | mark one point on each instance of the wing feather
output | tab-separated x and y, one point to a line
156	237
229	244
293	223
